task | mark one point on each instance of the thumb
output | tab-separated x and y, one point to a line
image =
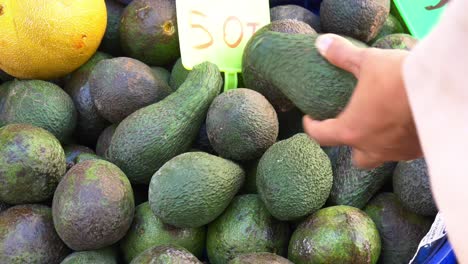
326	133
340	52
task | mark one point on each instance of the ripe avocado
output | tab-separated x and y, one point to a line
108	255
162	73
396	41
391	26
295	12
148	230
40	104
360	19
89	123
123	85
294	178
400	230
178	75
72	152
353	186
32	162
255	80
27	235
148	31
241	124
169	254
111	41
338	234
151	136
93	205
260	258
292	64
104	140
245	227
194	188
413	188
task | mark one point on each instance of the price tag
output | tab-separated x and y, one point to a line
217	31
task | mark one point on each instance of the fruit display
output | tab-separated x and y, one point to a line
112	152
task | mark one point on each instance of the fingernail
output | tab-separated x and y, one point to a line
322	43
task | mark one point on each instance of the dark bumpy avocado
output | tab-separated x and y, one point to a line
41	104
245	227
93	205
108	255
194	188
111	41
338	234
290	63
353	186
254	79
413	188
391	26
148	230
294	178
72	152
241	124
121	86
148	31
202	142
396	41
148	138
27	235
178	75
260	258
104	140
360	19
400	230
32	162
169	254
90	123
296	12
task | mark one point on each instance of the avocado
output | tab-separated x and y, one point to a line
106	255
396	41
295	12
260	258
89	123
245	227
162	73
413	188
294	178
125	2
400	229
40	104
148	230
291	63
194	188
72	152
241	124
104	140
359	19
391	26
151	136
27	235
32	162
87	156
353	186
168	254
290	123
250	185
123	85
178	75
254	79
202	143
338	234
93	205
148	32
111	41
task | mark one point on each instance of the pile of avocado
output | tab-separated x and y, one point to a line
134	159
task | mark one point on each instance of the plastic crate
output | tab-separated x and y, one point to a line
419	16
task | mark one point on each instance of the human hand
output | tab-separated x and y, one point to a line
377	122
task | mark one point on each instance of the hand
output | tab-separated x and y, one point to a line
377	122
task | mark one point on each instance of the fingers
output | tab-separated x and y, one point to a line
365	160
326	133
340	52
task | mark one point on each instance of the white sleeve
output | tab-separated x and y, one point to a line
436	80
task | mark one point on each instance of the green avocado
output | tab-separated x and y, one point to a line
108	255
391	26
32	162
104	140
396	41
72	152
260	258
168	254
178	75
296	12
111	41
162	73
27	235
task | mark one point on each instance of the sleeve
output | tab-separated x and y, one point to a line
436	81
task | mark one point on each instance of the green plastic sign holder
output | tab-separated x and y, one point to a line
420	16
217	31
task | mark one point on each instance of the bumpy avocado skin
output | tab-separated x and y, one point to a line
296	12
391	26
246	227
396	41
32	162
27	235
104	140
294	178
73	151
169	254
401	230
260	258
178	75
148	230
111	41
93	205
338	234
108	255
